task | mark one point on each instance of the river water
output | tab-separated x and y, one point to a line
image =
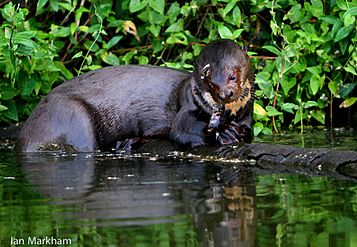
109	199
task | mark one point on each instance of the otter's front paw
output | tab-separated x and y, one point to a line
233	133
129	144
228	136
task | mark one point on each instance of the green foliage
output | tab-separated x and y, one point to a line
304	54
315	45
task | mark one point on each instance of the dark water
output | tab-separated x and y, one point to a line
116	200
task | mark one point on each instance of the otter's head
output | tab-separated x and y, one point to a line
223	70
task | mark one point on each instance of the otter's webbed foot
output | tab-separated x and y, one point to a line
233	133
129	144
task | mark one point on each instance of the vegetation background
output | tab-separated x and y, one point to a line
304	52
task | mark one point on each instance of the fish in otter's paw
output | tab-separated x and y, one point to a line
118	107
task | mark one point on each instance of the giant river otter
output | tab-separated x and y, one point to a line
117	106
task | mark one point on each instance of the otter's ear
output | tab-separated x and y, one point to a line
205	71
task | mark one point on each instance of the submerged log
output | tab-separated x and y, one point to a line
315	161
273	157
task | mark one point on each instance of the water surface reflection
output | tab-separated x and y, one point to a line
217	203
116	200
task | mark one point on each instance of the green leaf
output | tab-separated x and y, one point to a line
25	34
3	108
40	5
295	13
315	70
318	115
267	131
67	74
352	11
330	19
157	46
83	29
175	27
258	127
348	102
173	11
128	56
317	8
92	67
77	55
29	85
288	107
185	10
110	58
271	111
228	8
341	4
24	38
157	5
309	104
350	69
79	12
336	27
287	84
73	27
156	18
237	33
348	19
333	86
113	41
224	32
54	5
136	5
67	6
343	33
346	89
299	117
7	92
259	110
237	16
89	59
8	12
343	44
61	32
24	41
11	111
155	30
316	83
272	49
143	60
177	38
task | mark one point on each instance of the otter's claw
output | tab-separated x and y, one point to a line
129	144
228	136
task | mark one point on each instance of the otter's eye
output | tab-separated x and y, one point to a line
232	77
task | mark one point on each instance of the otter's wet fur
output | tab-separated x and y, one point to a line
109	106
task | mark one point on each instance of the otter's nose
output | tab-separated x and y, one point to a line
228	93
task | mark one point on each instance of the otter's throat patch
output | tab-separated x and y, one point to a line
236	105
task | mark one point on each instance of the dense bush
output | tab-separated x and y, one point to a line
304	52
